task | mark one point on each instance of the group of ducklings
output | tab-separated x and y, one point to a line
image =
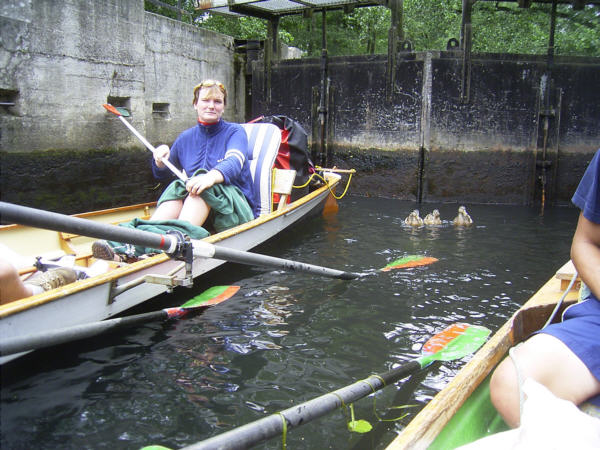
463	219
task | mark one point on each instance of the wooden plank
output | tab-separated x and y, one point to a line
565	274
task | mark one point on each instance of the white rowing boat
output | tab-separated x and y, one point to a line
126	285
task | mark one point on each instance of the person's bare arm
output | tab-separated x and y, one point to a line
585	253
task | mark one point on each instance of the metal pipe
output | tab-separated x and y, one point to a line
323	100
271	426
171	244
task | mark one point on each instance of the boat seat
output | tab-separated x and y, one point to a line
283	183
264	140
73	243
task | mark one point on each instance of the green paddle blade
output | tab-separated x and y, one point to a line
409	261
457	341
124	111
211	296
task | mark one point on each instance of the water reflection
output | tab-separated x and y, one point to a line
288	337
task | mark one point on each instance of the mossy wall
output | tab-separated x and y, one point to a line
443	133
70	182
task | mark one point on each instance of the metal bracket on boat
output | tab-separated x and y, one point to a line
169	280
166	280
184	251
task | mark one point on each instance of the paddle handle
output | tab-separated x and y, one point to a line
9	346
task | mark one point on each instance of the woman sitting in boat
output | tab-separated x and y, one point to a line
565	356
215	153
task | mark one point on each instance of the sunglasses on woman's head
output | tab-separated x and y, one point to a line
210	83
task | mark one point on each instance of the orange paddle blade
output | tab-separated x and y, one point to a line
441	340
331	206
112	109
410	261
212	296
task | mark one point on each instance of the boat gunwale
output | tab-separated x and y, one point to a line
33	301
100	212
424	428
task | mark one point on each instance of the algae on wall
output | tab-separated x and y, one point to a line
71	182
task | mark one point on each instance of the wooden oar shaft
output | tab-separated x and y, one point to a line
336	170
9	346
210	297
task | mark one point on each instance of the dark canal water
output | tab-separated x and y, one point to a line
288	337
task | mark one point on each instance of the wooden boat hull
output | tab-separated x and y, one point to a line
106	295
462	412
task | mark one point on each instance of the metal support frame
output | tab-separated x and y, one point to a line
184	252
395	36
323	154
466	47
425	130
271	53
547	113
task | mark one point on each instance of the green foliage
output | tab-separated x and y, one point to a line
497	27
506	28
186	5
429	24
238	27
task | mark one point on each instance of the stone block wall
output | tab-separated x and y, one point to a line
61	61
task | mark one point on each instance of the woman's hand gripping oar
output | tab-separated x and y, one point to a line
210	297
455	342
181	175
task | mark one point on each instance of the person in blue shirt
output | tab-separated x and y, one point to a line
564	356
217	146
215	155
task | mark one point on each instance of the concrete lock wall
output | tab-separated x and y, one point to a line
61	61
442	137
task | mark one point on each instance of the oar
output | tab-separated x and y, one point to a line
34	341
170	243
409	261
453	343
166	162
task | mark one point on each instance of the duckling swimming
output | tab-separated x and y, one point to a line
463	219
433	218
413	219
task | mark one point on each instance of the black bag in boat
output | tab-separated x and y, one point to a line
293	152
